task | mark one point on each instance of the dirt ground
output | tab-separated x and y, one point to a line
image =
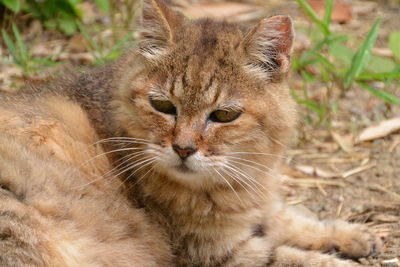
325	173
370	191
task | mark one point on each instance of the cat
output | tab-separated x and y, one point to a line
54	209
195	120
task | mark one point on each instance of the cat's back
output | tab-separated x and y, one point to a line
59	205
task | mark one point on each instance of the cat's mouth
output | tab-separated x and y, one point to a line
183	168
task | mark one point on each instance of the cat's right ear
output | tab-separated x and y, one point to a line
158	24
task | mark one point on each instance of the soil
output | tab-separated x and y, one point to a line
371	197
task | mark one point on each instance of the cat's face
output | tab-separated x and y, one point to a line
203	107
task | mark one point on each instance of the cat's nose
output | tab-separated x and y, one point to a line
185	152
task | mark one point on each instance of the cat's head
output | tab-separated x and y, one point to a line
208	99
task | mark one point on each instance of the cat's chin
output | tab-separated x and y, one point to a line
184	168
187	176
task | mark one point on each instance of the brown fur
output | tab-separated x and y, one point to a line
54	209
216	210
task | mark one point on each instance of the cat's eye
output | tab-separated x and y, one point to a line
224	115
163	106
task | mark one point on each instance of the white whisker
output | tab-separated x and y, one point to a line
259	153
135	164
230	186
108	152
239	181
252	180
148	162
130	157
254	162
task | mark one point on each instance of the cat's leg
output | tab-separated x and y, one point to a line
285	256
290	227
259	252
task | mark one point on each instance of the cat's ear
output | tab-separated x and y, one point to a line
268	46
158	24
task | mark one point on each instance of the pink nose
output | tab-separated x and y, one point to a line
183	153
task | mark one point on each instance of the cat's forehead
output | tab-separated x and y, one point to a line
205	69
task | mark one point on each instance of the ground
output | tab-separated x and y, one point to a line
326	171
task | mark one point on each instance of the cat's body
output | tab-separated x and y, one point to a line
200	113
55	208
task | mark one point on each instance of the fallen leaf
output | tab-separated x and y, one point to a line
394	144
357	170
314	182
300	171
341	12
380	130
316	171
386	218
345	142
78	44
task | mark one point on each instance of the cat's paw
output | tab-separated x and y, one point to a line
292	257
357	241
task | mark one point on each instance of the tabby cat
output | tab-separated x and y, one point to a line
195	120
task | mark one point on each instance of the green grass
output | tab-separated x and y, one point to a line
338	65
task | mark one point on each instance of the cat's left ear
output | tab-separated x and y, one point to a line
268	46
158	25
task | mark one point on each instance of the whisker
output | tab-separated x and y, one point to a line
277	141
108	152
239	181
144	175
122	141
254	162
135	164
100	178
252	180
144	165
130	157
123	138
231	187
247	165
259	153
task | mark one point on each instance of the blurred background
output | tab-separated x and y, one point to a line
344	161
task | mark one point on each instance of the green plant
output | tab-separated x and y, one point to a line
336	65
55	14
14	5
20	53
102	54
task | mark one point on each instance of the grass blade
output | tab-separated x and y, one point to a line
379	76
328	13
313	16
388	97
21	45
362	55
14	5
11	47
89	37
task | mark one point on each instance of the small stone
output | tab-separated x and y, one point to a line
317	208
357	208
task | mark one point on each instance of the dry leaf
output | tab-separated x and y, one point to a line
299	171
78	44
386	218
313	182
316	171
380	130
345	142
394	144
341	12
357	170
